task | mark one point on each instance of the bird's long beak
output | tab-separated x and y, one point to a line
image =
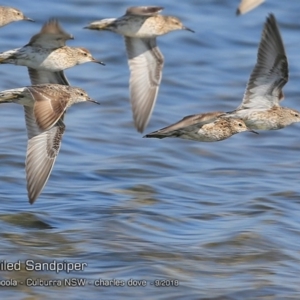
28	19
188	29
97	62
91	100
250	130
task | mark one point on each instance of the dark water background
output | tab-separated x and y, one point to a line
222	218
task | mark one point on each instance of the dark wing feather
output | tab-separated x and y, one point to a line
187	124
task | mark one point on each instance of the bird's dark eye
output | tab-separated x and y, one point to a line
81	94
85	54
240	124
296	115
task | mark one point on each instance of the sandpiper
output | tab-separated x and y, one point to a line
11	14
44	107
207	127
247	5
140	26
260	108
46	55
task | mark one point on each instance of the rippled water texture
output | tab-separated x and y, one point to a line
222	218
